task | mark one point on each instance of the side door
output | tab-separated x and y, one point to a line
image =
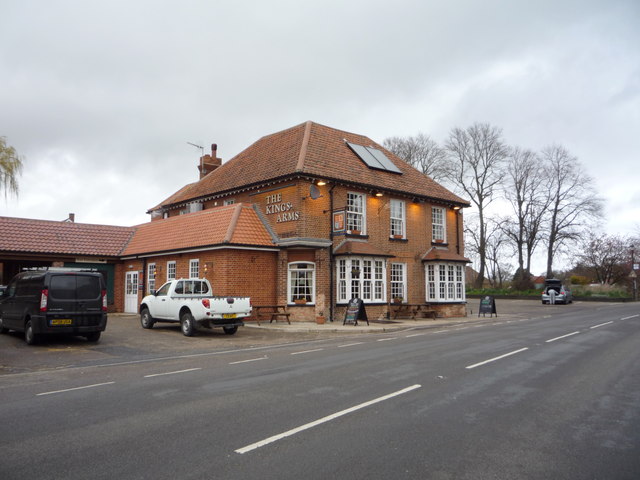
131	292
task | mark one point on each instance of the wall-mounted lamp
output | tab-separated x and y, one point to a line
456	208
378	194
321	183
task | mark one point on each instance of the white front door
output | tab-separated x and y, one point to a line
131	293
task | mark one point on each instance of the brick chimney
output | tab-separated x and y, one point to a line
208	163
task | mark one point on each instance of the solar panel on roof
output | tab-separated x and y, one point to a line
373	158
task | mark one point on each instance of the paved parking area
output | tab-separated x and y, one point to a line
126	339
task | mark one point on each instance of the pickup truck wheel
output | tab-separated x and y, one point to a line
188	324
230	330
146	320
30	337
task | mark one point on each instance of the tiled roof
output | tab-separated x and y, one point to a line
436	254
236	224
359	248
45	236
315	150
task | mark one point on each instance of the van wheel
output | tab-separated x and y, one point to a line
146	320
3	329
230	330
29	336
188	324
93	336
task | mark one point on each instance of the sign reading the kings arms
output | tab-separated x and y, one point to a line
283	210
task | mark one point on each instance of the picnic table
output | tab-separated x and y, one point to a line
412	310
271	312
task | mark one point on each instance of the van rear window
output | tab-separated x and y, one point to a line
72	287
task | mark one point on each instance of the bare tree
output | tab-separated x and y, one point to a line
497	244
475	164
606	256
421	152
572	200
523	189
10	168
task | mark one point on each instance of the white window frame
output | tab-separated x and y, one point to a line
229	201
356	212
369	283
438	224
445	282
171	270
194	268
151	277
296	268
398	281
397	216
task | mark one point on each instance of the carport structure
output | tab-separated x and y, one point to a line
29	243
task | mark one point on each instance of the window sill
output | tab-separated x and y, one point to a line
356	235
394	239
439	244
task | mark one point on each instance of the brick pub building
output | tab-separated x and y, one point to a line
308	217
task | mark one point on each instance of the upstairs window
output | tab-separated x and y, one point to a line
438	224
356	212
398	219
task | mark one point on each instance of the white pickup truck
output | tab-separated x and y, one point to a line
190	302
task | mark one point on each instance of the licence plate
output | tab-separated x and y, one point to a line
229	315
61	321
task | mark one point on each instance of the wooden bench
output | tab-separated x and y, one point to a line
271	312
412	310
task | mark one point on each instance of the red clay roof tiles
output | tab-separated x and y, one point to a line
236	224
45	236
315	150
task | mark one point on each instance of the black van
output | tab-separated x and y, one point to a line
68	301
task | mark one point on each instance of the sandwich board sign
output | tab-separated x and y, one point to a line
355	311
487	305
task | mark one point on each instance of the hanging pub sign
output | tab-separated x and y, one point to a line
339	223
355	311
487	305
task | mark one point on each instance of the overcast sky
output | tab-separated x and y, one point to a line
101	97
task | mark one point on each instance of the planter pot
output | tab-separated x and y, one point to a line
397	236
355	232
320	320
397	300
300	302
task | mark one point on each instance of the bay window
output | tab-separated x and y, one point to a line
445	282
361	277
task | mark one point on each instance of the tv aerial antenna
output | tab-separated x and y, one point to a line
198	146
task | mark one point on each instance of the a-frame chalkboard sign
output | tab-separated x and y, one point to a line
487	305
355	311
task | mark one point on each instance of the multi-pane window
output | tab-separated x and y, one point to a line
194	268
397	218
398	281
355	212
361	277
151	277
302	278
438	226
171	270
445	282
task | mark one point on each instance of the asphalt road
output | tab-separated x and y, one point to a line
550	394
